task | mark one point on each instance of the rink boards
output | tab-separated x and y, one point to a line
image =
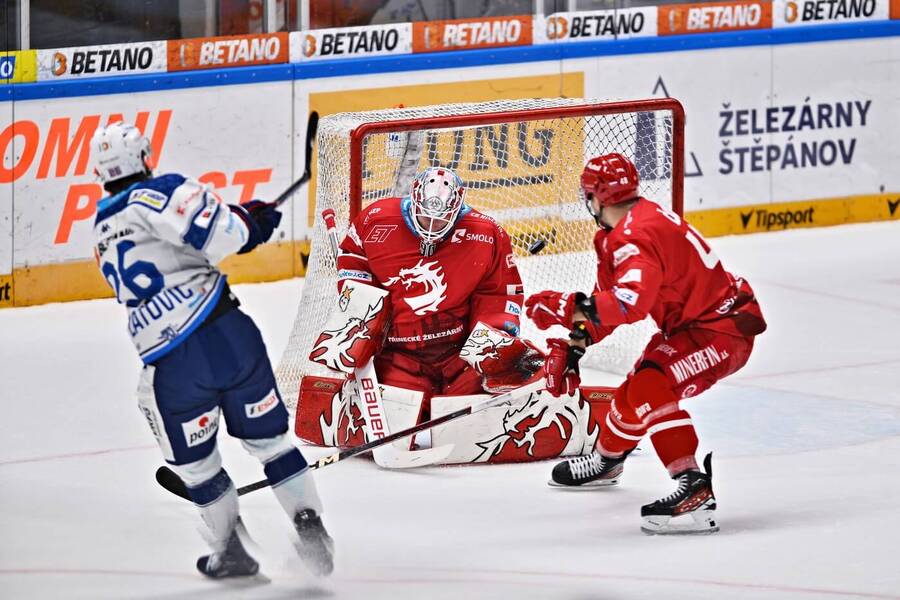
782	132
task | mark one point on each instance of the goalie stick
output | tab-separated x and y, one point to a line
170	480
312	126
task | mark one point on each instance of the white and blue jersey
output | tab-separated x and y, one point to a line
158	243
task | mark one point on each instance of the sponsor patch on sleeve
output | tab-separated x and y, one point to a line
353	274
631	276
513	308
149	198
625	295
267	404
515	290
201	429
624	253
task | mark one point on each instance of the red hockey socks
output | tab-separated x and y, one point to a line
622	430
671	429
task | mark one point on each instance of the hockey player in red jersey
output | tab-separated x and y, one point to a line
447	267
650	262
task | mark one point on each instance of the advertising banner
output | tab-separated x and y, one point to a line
18	66
792	13
6	210
101	61
466	34
351	42
236	139
230	51
789	124
596	25
708	17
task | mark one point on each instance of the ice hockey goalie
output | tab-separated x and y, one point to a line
447	270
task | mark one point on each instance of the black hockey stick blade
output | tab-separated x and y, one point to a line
171	482
168	479
312	126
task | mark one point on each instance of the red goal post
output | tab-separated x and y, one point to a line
358	135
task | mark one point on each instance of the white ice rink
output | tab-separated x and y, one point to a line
807	468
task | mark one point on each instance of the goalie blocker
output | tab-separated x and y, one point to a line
537	427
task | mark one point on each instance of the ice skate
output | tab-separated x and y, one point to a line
316	547
232	562
587	472
690	509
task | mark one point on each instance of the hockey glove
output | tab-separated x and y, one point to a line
561	367
549	308
261	219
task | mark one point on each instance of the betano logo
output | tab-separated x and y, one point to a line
791	12
60	64
557	27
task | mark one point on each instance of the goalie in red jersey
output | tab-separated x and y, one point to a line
446	267
650	262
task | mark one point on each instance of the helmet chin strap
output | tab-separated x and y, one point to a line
601	222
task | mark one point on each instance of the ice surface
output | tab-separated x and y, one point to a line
807	461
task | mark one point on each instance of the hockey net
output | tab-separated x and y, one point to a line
521	161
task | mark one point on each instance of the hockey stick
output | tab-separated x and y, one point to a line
312	127
170	480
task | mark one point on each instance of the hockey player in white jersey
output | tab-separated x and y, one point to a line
158	241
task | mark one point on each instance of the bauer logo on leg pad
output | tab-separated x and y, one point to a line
258	409
201	429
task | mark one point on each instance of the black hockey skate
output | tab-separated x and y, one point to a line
316	547
693	505
587	472
233	562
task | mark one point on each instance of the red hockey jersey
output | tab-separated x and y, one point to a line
653	262
435	300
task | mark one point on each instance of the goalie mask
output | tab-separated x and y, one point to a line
436	197
119	150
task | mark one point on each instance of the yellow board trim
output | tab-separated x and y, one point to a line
757	218
81	280
26	66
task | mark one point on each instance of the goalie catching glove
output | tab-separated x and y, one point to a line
355	330
503	361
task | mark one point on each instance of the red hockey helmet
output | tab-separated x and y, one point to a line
610	178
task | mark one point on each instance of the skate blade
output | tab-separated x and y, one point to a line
241	581
699	522
592	485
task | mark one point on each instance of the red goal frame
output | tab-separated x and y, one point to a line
358	135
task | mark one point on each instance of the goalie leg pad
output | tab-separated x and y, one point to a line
533	428
323	414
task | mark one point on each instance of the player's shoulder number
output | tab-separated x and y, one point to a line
706	254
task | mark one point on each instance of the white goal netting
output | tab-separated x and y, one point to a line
521	161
